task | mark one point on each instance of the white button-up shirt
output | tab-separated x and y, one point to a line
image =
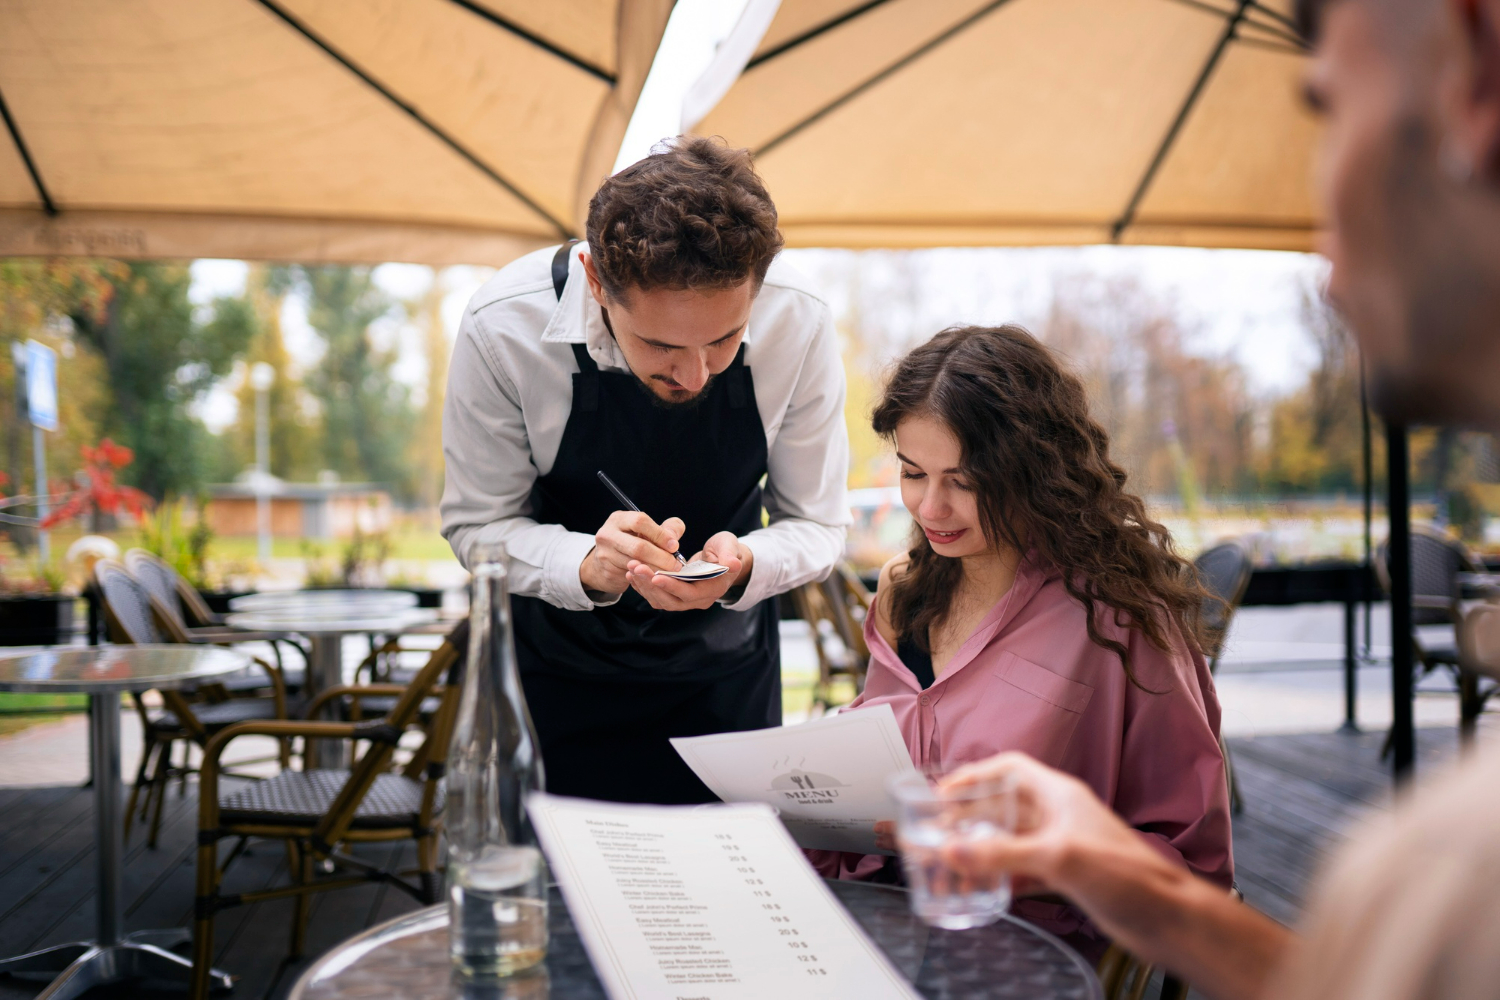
510	392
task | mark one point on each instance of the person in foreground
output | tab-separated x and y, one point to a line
1039	608
1411	907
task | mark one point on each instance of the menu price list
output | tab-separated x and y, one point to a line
704	903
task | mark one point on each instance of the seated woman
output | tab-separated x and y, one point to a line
1039	608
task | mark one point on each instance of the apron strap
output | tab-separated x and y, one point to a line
734	380
586	385
560	268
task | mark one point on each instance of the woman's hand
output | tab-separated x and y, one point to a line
1063	832
885	835
1071	842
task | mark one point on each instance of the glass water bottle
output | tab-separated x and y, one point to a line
497	886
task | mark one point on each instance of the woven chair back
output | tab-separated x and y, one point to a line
377	759
128	607
159	579
1436	561
1224	571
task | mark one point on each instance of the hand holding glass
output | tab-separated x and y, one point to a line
932	819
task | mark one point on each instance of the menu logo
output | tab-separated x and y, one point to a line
800	786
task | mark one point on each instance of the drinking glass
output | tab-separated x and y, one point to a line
497	912
930	819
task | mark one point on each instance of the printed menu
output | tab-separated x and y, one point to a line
704	903
826	777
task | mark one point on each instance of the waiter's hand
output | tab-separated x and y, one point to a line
629	538
667	594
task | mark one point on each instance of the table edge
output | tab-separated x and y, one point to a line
119	686
305	979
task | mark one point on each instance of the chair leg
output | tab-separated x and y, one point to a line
300	863
432	882
161	799
1236	803
1470	705
203	919
1173	988
140	777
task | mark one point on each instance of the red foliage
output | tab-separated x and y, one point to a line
97	489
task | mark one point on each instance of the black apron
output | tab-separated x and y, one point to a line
608	687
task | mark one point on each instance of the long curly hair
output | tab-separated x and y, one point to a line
1040	469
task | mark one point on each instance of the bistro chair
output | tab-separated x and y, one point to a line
132	615
317	813
1437	562
841	601
1123	976
192	614
1224	571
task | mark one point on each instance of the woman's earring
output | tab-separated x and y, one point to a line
1457	165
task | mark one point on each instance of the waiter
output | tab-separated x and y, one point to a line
670	353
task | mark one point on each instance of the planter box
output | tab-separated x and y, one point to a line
36	619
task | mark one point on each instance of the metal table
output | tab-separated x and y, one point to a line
104	673
408	957
325	617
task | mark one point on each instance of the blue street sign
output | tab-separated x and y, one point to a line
41	385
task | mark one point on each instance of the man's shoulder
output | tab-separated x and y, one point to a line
788	308
524	276
786	282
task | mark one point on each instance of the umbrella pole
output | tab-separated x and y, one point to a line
1398	509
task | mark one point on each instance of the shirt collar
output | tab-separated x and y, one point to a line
579	320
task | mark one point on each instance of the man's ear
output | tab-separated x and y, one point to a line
1479	24
595	285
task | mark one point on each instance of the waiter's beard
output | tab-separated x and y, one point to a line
687	403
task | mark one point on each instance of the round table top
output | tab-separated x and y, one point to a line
102	669
331	616
408	957
316	600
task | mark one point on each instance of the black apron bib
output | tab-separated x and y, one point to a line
608	687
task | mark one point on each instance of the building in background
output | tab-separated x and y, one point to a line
326	509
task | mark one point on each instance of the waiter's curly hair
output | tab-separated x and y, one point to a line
1040	469
693	214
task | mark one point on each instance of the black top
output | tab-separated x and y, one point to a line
917	660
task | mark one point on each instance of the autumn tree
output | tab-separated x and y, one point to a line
159	360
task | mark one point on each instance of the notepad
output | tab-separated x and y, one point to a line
697	570
704	902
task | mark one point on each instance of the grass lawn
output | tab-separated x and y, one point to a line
18	711
408	541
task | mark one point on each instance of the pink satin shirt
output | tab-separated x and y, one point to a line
1030	679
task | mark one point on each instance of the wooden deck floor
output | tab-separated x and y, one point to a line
1301	792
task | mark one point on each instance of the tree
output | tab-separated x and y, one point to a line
160	359
293	423
1316	437
36	298
427	442
367	419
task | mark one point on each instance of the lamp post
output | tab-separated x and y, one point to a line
261	377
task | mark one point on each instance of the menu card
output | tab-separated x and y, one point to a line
704	903
827	777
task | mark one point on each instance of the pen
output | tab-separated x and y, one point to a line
620	495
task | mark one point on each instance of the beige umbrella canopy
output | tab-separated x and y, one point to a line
433	131
907	123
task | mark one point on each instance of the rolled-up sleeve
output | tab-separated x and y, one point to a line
489	474
806	482
1172	785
